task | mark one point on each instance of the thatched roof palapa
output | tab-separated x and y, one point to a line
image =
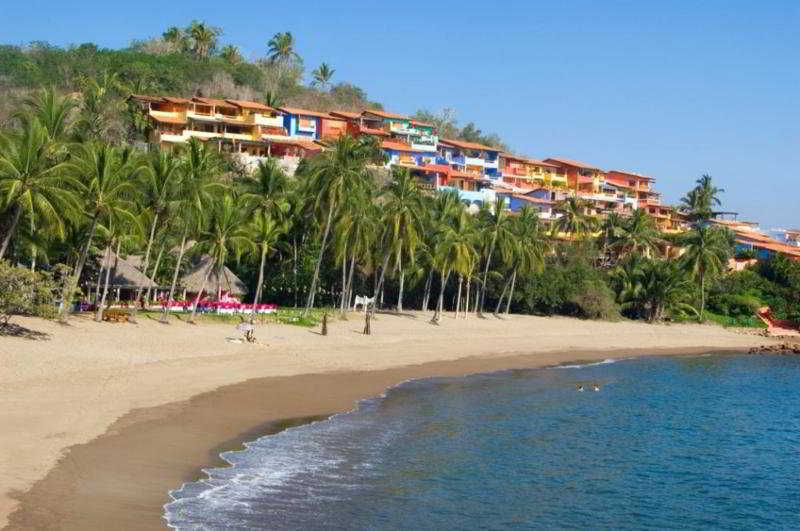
227	281
123	273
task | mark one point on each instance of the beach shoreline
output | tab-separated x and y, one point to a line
119	474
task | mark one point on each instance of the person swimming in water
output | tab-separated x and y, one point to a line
595	387
579	388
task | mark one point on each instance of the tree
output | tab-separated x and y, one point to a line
323	75
574	221
331	176
196	191
231	54
104	174
203	38
266	191
281	48
454	252
701	200
356	234
265	232
637	234
497	230
402	227
53	112
159	187
529	250
707	250
32	184
227	233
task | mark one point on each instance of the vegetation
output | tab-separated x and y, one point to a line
76	185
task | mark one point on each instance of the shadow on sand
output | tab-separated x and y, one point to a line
15	330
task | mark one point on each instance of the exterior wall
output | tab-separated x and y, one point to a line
332	128
302	126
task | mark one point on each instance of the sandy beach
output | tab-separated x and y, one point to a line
101	420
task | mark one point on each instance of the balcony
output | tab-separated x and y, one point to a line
168	137
474	161
260	119
168	115
491	163
423	146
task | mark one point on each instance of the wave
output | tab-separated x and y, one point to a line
582	365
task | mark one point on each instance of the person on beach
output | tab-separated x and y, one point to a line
579	388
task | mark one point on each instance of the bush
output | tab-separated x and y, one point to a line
596	301
24	292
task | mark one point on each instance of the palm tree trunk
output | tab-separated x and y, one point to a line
11	230
147	254
379	287
511	295
315	278
100	273
166	309
294	267
466	298
69	289
427	295
502	295
438	312
458	297
257	297
344	282
99	315
486	274
349	290
200	294
153	274
400	293
702	295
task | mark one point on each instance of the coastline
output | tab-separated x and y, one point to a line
120	476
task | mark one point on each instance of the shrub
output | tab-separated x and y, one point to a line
24	292
596	301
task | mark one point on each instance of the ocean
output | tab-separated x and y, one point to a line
667	442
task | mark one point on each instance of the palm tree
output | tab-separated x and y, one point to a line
266	231
701	200
204	38
323	75
227	233
330	178
33	184
444	207
53	112
610	229
105	184
281	48
497	229
159	186
356	233
454	252
196	191
266	191
231	54
117	225
271	99
664	287
98	109
529	251
573	220
401	220
707	250
638	234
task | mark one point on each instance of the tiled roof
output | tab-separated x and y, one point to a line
467	145
251	105
526	160
346	114
213	101
531	199
421	124
575	163
305	144
306	112
633	174
176	100
440	168
384	114
371	131
397	146
145	98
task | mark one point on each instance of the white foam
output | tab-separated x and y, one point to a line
582	365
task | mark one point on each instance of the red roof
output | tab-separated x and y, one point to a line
464	175
439	168
631	174
176	100
346	114
526	160
533	199
251	105
306	112
397	146
573	163
371	131
305	144
168	119
384	114
467	145
214	102
423	124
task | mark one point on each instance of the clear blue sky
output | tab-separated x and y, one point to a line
672	88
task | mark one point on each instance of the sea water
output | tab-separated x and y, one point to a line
689	442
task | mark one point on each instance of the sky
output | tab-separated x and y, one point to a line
671	89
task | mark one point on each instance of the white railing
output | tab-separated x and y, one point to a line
473	161
423	147
166	137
